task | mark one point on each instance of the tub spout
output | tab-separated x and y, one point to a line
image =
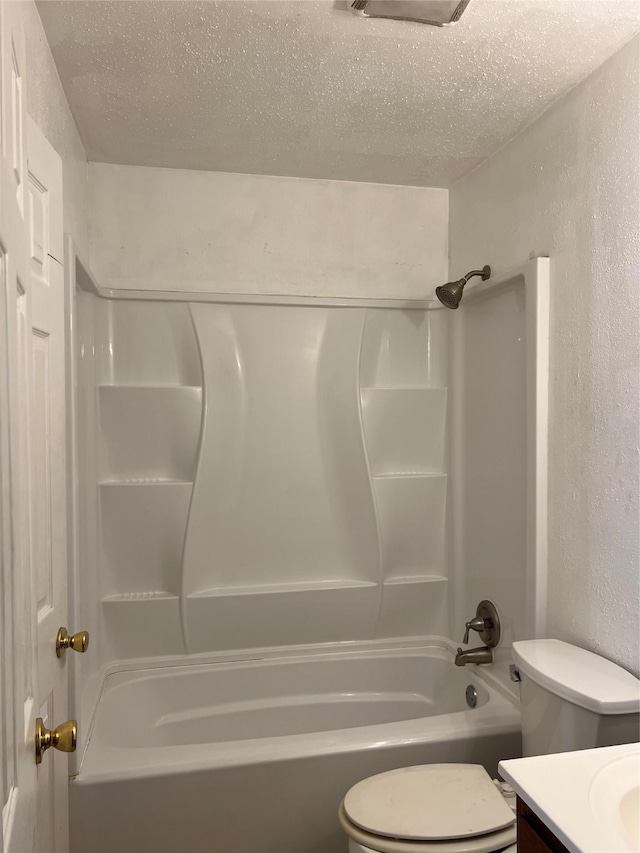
483	654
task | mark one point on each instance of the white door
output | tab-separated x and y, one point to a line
32	465
48	497
18	707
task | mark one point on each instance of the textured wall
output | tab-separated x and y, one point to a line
568	187
47	105
172	229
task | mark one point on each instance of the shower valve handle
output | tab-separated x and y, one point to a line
477	624
486	622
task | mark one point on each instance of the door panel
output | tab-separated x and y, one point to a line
41	469
32	464
48	471
18	709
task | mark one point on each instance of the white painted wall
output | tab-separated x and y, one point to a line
172	229
47	105
568	187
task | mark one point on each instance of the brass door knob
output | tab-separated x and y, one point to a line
64	738
78	642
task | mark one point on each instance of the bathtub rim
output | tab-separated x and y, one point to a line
106	762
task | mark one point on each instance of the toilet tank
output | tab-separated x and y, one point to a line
573	699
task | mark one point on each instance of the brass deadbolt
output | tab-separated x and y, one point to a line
63	737
78	642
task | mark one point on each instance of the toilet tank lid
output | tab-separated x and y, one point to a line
579	676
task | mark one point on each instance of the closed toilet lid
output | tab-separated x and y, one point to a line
429	802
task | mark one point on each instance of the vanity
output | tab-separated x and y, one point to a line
534	836
587	801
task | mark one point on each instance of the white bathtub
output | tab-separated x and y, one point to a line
254	756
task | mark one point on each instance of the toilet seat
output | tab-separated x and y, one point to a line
490	843
431	808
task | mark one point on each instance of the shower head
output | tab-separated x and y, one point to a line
450	294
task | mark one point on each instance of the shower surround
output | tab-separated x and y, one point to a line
262	505
268	474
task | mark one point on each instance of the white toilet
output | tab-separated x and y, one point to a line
570	698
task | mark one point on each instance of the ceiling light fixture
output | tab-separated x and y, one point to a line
438	13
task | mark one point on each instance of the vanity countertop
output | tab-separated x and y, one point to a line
590	799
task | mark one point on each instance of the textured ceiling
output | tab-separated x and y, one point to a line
305	88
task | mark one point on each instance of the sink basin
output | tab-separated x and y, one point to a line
614	800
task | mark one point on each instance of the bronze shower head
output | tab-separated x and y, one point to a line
450	294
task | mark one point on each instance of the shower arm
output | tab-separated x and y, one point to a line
483	273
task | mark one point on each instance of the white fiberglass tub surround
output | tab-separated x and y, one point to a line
255	756
262	485
261	474
255	474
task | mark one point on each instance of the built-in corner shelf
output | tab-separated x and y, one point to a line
408	475
404	408
149	432
148	459
152	595
412	580
147	386
143	526
146	482
404	429
404	348
401	388
413	604
150	343
150	409
411	514
143	624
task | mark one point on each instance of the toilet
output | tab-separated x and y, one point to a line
570	699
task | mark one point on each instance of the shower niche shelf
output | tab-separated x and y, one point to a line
150	595
149	432
404	429
415	580
147	463
143	624
149	386
148	344
403	397
411	512
399	387
407	475
143	527
409	603
146	481
404	349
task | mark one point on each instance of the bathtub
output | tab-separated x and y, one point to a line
254	756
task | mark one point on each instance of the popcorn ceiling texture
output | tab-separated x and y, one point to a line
303	88
569	187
